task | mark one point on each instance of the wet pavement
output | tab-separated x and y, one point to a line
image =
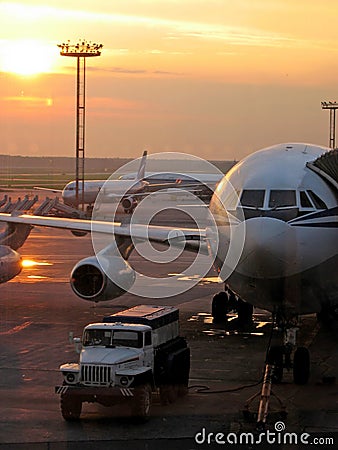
37	312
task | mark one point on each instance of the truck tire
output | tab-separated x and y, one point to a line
168	393
142	403
70	408
183	390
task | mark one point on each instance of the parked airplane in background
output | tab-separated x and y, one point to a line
282	202
93	187
128	188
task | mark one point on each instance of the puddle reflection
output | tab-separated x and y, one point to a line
32	263
231	327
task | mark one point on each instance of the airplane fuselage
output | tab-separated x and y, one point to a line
129	185
284	216
91	190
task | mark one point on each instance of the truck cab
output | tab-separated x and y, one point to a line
127	356
116	354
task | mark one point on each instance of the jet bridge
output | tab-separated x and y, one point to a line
48	207
21	205
15	235
327	166
53	207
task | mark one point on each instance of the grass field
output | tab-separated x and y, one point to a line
21	172
19	179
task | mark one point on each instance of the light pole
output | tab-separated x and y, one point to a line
332	106
80	51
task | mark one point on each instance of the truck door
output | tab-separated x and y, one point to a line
148	349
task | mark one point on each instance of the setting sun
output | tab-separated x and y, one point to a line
27	57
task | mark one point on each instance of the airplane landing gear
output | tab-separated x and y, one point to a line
219	307
279	356
226	301
301	365
89	211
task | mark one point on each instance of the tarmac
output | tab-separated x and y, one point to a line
38	310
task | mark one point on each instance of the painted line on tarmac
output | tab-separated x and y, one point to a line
16	329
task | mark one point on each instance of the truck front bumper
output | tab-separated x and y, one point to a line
95	393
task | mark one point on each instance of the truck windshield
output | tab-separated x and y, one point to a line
112	338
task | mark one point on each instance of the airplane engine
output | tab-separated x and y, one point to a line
10	263
90	280
78	233
128	204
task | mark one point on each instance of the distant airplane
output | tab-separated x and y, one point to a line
93	187
130	187
281	204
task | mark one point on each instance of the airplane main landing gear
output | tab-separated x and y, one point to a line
226	301
279	356
219	307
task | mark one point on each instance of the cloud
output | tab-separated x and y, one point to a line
30	100
127	71
169	28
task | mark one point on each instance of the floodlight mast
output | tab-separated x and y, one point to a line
80	51
332	106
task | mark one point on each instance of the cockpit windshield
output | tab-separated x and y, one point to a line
253	198
112	338
317	201
284	204
282	199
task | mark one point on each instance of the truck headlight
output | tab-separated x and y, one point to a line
70	377
124	381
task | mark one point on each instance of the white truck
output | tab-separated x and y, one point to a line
126	358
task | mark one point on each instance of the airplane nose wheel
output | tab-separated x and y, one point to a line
276	360
279	356
301	365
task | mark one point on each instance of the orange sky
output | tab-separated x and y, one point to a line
215	78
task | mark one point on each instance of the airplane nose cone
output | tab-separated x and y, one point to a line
270	249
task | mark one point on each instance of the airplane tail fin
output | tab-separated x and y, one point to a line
142	169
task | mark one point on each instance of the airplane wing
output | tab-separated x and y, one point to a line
41	188
161	188
193	238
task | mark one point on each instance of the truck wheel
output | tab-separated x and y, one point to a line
142	403
168	393
70	408
164	394
182	390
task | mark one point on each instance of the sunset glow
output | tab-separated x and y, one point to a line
27	57
27	263
210	77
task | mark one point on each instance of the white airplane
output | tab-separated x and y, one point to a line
128	188
281	204
93	187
